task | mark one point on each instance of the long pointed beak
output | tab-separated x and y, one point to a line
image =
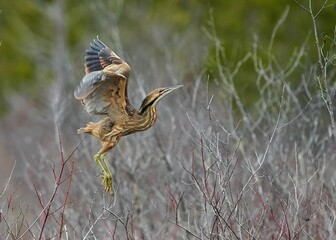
166	91
170	89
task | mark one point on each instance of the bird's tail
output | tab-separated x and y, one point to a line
88	129
81	130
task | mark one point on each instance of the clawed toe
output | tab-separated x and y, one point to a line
106	173
107	183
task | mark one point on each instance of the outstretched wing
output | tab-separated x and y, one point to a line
99	56
103	90
103	93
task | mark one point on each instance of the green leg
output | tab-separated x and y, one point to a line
106	173
97	159
106	168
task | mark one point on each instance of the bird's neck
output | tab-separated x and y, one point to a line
141	121
147	117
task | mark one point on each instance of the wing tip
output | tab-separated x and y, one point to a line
92	55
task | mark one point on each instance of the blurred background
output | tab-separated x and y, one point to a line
189	42
34	33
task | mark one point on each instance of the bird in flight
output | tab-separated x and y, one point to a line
103	91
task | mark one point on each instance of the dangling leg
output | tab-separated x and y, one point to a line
97	158
107	181
104	164
106	172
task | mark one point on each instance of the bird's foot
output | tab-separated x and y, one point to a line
106	173
107	183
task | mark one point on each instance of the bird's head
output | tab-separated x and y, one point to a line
155	96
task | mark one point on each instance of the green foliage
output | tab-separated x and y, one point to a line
281	28
28	30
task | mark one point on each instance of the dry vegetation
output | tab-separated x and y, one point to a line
210	168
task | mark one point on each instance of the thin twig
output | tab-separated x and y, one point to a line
8	180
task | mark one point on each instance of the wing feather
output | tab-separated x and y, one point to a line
99	56
89	83
103	90
104	93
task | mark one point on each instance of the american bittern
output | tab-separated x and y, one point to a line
103	91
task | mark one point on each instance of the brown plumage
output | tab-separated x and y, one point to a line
103	91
